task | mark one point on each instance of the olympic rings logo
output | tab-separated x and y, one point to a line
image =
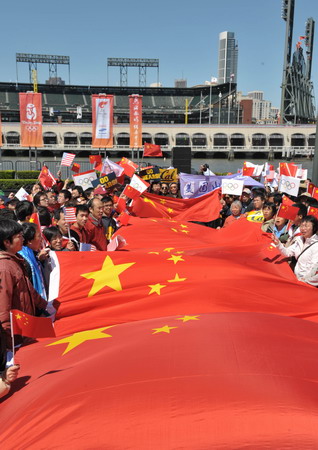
85	180
232	186
32	129
287	184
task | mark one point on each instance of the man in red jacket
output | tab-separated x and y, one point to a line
16	290
96	233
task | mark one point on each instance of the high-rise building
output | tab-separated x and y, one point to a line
228	55
180	83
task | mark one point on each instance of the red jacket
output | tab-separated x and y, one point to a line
95	233
16	290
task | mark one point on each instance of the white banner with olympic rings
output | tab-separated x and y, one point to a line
289	185
232	186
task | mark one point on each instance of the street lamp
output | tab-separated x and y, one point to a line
220	98
229	102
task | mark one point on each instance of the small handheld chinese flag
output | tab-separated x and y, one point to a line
287	212
31	326
95	159
312	211
76	167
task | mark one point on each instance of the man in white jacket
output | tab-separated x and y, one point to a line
305	250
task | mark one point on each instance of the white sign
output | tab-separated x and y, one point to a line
232	186
22	195
138	184
289	185
85	179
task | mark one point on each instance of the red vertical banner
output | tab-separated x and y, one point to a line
31	119
102	118
135	119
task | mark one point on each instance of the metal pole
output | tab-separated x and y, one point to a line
229	104
315	160
210	103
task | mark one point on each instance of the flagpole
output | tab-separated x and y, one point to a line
12	337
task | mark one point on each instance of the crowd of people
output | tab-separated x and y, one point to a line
25	246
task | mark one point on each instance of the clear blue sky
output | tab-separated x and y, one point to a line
183	35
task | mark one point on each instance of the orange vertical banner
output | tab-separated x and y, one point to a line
31	119
102	120
1	143
135	119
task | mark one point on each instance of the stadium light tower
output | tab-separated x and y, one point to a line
52	60
124	63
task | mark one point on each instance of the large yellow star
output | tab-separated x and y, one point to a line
156	288
78	338
187	318
176	279
170	210
175	258
108	275
18	316
164	329
147	200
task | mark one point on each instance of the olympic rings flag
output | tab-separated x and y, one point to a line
289	185
232	186
85	179
31	119
102	119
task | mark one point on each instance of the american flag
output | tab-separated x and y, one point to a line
67	159
70	214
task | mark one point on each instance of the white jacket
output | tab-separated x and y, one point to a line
306	268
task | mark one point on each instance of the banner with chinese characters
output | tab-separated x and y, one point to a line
0	132
102	119
135	119
31	119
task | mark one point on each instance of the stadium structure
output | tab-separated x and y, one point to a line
164	117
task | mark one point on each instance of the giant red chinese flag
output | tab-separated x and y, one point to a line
188	381
171	267
135	119
102	121
31	119
201	209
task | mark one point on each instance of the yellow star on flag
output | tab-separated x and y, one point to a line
153	253
147	200
164	329
154	220
187	318
175	258
184	226
170	210
176	279
173	229
168	249
31	220
156	288
185	231
77	339
163	201
18	316
108	275
180	252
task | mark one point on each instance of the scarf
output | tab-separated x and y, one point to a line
37	277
